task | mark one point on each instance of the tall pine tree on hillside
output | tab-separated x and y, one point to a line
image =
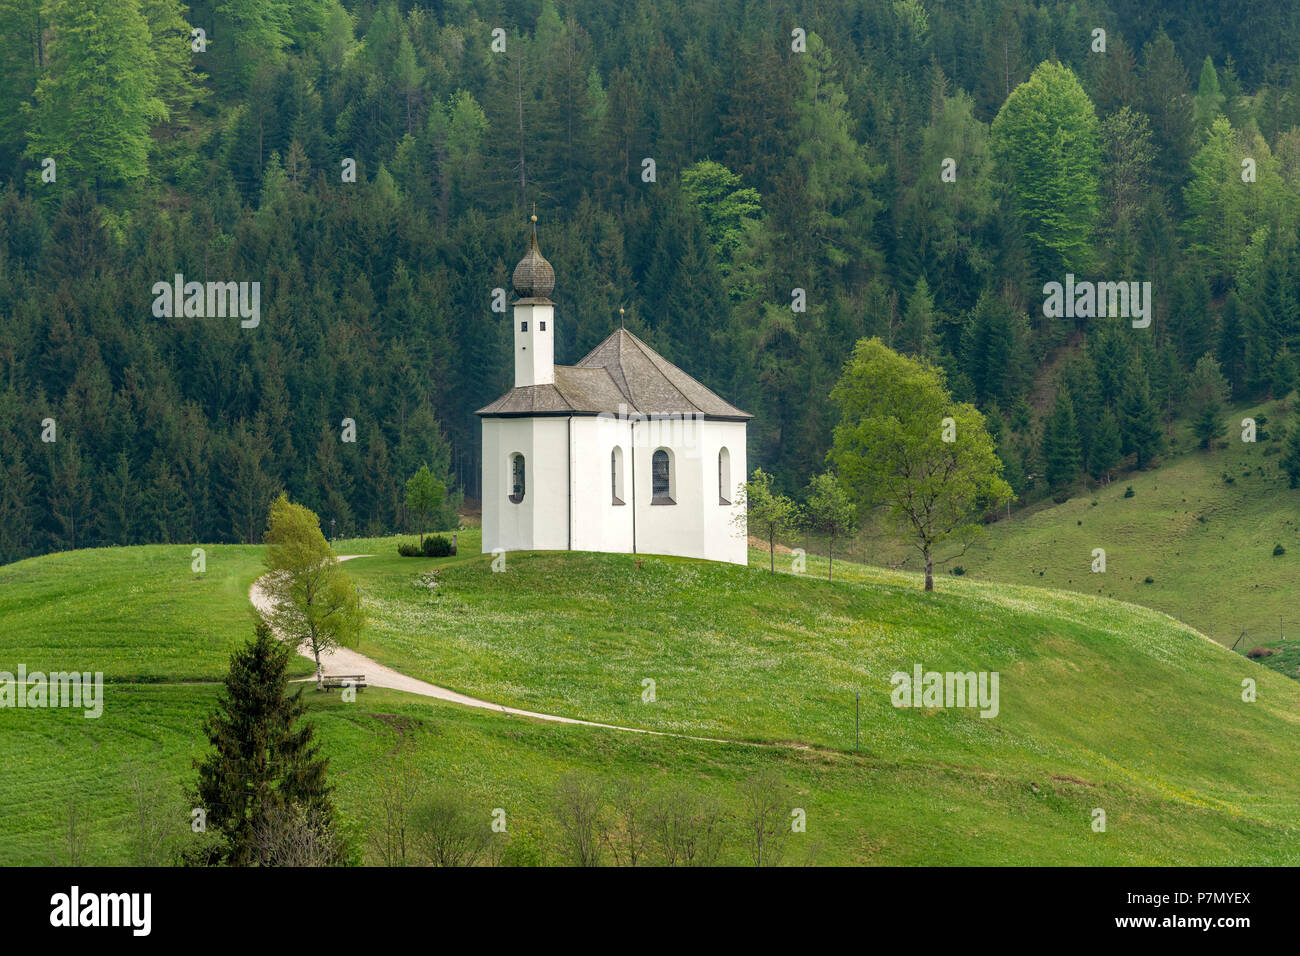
22	29
1106	447
1061	455
831	236
1207	391
179	82
264	759
1290	461
1231	351
1166	99
97	99
1139	418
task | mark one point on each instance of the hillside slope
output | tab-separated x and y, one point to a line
1195	539
1102	705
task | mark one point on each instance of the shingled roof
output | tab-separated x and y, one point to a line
620	375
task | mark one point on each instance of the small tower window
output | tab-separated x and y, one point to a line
543	326
517	478
661	478
616	475
724	477
523	326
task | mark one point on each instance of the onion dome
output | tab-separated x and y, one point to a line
534	278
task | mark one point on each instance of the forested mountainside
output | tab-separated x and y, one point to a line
759	185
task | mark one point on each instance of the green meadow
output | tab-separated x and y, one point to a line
136	614
1102	704
862	808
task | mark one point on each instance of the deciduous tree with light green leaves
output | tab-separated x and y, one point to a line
313	600
765	512
1223	212
1045	142
891	451
830	513
727	207
424	494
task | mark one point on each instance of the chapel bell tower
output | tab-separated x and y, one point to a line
534	315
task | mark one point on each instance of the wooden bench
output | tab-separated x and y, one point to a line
333	681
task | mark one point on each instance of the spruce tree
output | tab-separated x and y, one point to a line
1139	421
1207	390
987	347
1291	457
1164	90
1105	452
264	761
1232	343
916	336
1207	426
21	37
1013	467
96	101
17	512
179	86
833	230
1061	443
1284	374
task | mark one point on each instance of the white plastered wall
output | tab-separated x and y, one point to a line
696	525
723	540
598	523
534	344
540	522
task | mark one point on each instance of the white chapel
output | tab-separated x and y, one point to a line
622	452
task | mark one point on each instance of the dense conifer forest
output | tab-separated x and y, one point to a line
758	185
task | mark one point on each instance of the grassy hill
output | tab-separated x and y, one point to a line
1195	538
1103	705
137	614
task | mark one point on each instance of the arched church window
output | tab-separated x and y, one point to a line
661	478
616	475
517	478
724	477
